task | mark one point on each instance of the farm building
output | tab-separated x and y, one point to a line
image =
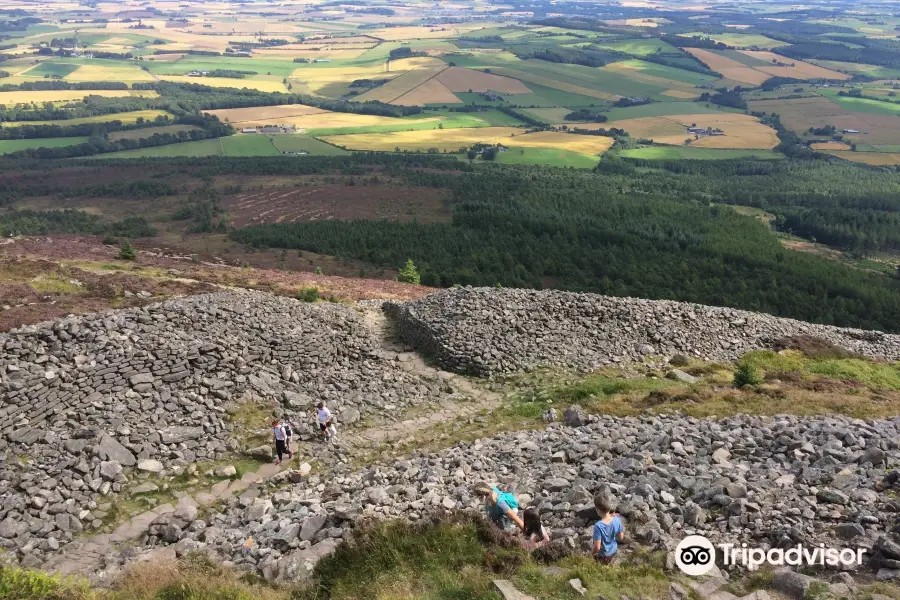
248	130
849	130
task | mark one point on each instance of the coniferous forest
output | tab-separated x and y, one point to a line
650	232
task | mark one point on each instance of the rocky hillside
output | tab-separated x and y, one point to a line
93	404
767	481
487	330
148	389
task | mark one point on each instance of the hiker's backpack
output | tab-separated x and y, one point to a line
287	430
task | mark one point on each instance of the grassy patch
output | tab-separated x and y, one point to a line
873	375
7	146
442	560
555	157
53	284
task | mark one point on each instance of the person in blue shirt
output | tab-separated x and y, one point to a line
608	531
501	508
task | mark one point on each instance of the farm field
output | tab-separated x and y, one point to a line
745	40
7	146
269	114
741	131
829	146
338	202
41	96
127	118
269	84
694	153
878	159
136	134
640	47
554	157
802	113
452	140
199	148
304	143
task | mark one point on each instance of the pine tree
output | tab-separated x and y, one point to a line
127	252
409	274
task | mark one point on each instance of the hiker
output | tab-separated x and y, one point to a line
502	508
280	438
536	535
288	436
608	531
323	416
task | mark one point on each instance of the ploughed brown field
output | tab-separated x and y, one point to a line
337	202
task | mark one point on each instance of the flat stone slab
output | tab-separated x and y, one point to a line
508	590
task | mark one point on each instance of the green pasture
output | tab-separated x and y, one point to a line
52	68
263	66
862	105
304	143
657	70
200	148
742	58
640	47
7	146
554	157
661	109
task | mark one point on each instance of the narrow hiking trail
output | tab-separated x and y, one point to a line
469	400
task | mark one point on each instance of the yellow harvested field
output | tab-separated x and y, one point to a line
125	73
272	113
799	70
452	140
552	83
714	61
397	87
332	120
744	75
11	98
829	146
318	77
634	73
741	131
459	79
870	158
430	92
639	22
263	85
683	94
424	32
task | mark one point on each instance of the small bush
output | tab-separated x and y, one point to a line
309	294
746	374
110	240
127	252
21	584
679	360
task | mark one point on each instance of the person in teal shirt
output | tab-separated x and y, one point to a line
501	508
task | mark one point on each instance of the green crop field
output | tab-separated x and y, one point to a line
262	66
661	109
863	69
547	156
673	73
145	132
640	47
249	145
304	143
51	69
7	146
742	58
199	148
679	153
863	105
745	40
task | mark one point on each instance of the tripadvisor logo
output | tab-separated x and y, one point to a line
695	555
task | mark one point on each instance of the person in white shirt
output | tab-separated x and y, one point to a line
280	439
323	416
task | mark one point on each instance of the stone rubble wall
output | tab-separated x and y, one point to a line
769	481
85	399
482	331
